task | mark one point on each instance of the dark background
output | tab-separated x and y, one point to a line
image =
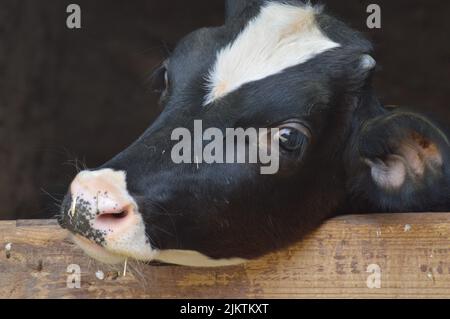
83	94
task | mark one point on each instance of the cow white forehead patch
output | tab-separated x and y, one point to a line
281	36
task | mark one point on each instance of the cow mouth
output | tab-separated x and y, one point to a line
98	252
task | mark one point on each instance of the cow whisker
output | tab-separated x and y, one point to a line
125	267
51	196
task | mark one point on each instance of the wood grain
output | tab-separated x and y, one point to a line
412	251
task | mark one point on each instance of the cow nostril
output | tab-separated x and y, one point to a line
112	216
113	220
120	215
116	216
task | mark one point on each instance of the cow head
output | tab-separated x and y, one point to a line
276	65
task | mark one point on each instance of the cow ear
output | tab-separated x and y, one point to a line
361	71
233	8
367	63
404	160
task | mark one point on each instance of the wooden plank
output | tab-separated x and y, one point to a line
411	250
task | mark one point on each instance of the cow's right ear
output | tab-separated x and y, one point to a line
402	162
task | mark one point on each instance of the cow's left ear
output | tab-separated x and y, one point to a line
403	161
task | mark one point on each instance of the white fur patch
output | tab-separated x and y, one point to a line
389	175
194	259
281	36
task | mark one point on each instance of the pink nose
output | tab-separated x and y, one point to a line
102	198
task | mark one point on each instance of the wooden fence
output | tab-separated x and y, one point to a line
375	256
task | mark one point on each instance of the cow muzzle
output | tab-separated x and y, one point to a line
104	217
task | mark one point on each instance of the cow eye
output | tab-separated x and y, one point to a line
160	80
293	136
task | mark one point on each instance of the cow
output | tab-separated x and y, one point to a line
283	65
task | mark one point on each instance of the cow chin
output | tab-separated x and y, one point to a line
97	252
114	252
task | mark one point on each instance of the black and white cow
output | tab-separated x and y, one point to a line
274	64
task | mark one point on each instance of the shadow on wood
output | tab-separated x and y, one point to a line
412	251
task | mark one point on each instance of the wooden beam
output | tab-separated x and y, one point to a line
412	252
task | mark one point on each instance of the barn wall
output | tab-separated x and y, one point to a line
83	94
